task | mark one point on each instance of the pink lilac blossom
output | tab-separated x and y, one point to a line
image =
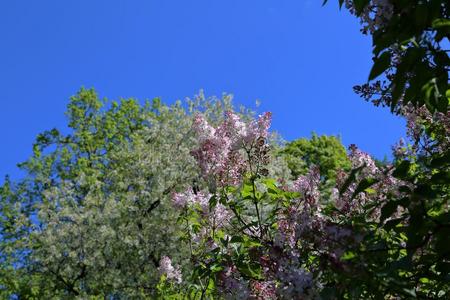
349	204
417	118
346	202
444	120
258	128
308	185
413	126
203	129
300	222
219	155
234	129
285	235
198	237
212	157
430	133
300	228
337	233
360	158
264	122
334	197
262	290
232	173
305	223
171	273
310	226
189	197
222	215
252	231
232	286
295	283
218	218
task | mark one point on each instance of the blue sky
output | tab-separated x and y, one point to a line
298	58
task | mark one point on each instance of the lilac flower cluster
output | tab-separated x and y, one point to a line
368	169
189	198
231	284
262	290
296	283
360	158
300	226
222	215
308	185
171	273
417	119
219	216
219	154
375	15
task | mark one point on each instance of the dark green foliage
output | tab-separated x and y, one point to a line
411	49
407	253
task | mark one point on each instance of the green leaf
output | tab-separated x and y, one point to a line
216	268
392	223
348	255
351	178
441	177
251	270
363	185
439	23
441	58
380	65
236	239
442	160
442	243
421	15
402	170
410	292
252	243
398	85
388	209
360	5
247	192
212	202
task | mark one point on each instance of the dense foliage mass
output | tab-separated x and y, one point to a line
324	152
383	232
409	49
198	201
93	217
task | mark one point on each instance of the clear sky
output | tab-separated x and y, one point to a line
299	58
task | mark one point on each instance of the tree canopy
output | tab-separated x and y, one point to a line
196	200
326	152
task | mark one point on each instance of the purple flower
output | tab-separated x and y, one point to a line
188	197
218	155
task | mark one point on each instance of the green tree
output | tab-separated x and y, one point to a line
326	152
